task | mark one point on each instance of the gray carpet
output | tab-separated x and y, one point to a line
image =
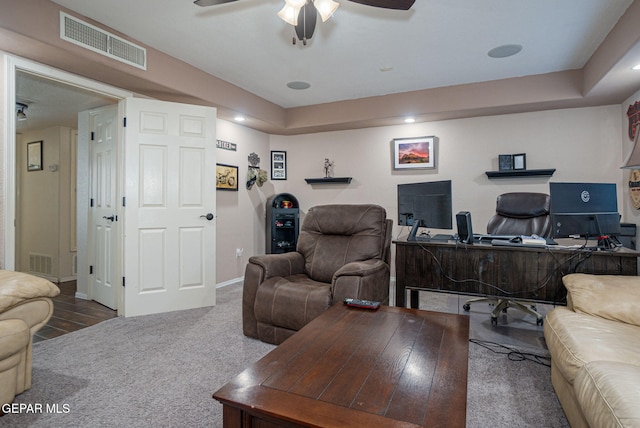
161	370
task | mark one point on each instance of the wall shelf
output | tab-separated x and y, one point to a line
521	173
328	180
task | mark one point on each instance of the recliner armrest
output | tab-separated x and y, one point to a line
363	268
286	264
368	280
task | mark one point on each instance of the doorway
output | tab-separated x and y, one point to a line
53	99
166	143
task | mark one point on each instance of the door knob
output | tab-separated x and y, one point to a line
209	216
110	218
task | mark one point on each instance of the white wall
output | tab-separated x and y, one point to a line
582	144
43	208
240	221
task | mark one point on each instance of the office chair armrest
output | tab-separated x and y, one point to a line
368	280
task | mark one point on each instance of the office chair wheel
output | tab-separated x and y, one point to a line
466	307
494	320
540	321
534	307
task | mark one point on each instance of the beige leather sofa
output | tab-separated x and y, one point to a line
343	251
25	306
595	350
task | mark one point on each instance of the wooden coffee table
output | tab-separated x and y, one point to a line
393	367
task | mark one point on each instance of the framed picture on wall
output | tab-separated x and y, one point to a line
520	161
414	153
226	177
278	165
505	162
34	156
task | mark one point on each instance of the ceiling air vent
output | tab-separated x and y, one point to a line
91	37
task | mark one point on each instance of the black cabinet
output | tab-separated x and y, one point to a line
283	223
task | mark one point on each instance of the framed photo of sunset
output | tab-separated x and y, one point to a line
414	153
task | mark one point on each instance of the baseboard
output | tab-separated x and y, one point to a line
231	282
68	278
82	296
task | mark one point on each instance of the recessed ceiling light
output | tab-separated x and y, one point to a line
239	118
409	120
298	85
636	67
385	68
504	51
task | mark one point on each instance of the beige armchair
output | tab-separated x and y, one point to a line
343	251
25	306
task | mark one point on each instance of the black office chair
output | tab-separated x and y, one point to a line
518	213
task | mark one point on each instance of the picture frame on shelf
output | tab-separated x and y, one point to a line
414	153
226	177
34	156
278	165
520	161
505	162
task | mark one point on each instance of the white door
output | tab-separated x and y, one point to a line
103	219
169	219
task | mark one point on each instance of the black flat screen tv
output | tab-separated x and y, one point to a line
425	204
584	209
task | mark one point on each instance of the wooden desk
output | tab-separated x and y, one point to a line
393	367
528	273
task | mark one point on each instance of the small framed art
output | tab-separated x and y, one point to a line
34	156
414	153
278	165
505	162
226	177
520	161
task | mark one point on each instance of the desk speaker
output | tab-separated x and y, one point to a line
465	231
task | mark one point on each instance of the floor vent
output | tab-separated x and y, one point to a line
91	37
40	263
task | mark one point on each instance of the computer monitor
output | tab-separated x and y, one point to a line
425	204
584	209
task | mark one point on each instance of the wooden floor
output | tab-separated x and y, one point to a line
71	314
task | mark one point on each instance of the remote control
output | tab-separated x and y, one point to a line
359	303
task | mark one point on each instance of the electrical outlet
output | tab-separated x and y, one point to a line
239	252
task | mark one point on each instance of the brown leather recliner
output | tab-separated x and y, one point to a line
342	251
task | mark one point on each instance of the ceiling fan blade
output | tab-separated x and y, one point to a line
205	3
306	22
388	4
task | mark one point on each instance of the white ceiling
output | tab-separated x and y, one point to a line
51	103
435	44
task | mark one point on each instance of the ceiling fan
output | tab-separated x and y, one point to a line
302	14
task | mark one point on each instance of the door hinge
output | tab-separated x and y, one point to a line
91	270
124	122
93	135
91	202
123	282
124	201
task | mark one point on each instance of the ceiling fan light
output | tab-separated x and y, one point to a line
289	14
326	8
